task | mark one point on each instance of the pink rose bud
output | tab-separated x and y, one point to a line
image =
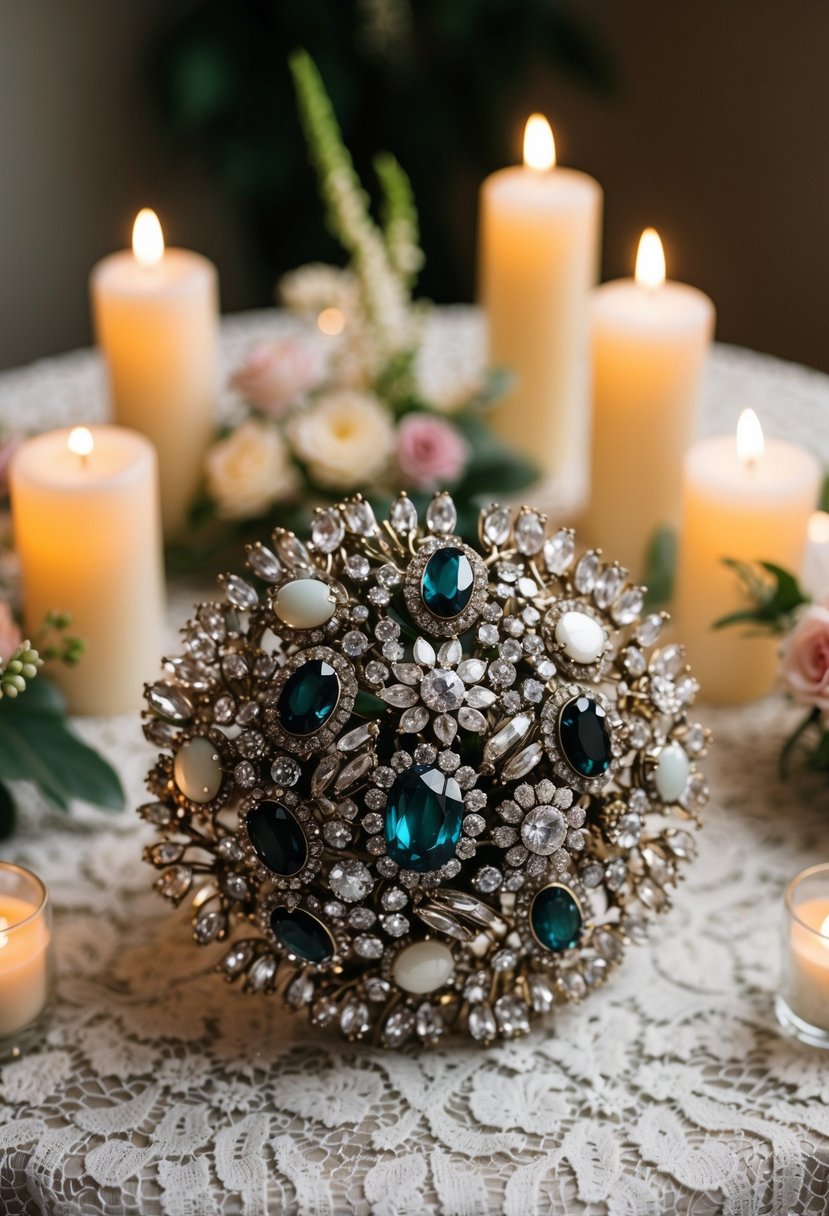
805	658
431	453
275	375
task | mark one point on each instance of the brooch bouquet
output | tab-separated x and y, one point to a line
341	407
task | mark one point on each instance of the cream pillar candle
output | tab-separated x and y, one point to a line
808	993
540	236
649	339
88	535
751	501
156	319
814	575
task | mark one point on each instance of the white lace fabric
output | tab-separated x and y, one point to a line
161	1089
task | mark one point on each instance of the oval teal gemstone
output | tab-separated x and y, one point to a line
556	918
302	934
424	814
584	736
309	698
446	586
277	839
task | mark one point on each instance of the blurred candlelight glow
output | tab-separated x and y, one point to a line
80	441
539	145
147	238
331	321
818	528
650	260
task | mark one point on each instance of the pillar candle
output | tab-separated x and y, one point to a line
540	240
749	500
156	319
649	339
808	963
88	536
814	576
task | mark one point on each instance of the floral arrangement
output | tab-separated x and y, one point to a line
779	606
36	743
348	412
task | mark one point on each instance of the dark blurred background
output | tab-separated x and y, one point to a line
708	121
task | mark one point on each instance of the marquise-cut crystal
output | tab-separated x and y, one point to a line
424	816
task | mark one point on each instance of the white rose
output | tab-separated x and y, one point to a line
250	470
345	437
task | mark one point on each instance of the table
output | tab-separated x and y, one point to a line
161	1090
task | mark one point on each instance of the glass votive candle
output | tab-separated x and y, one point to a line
26	968
802	1004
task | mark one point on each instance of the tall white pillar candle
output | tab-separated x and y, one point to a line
751	501
649	339
540	237
156	319
88	536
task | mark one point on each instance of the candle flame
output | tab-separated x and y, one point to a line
818	528
824	928
331	321
750	442
80	441
147	238
4	937
650	260
539	145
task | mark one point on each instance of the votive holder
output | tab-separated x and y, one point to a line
802	1003
26	959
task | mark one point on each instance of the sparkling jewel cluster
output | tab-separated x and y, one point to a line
417	786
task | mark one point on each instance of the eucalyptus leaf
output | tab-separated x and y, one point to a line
774	595
660	567
38	746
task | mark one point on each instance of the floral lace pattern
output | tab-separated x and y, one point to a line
160	1090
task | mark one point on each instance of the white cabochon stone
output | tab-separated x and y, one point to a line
306	603
423	967
580	637
672	771
197	770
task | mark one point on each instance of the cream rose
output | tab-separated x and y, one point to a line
250	470
346	438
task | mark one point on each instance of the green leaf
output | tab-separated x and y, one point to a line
8	813
660	567
773	592
38	746
824	494
41	694
366	705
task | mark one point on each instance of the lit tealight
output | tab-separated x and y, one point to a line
147	238
331	322
824	928
750	442
650	260
4	937
80	441
818	528
539	145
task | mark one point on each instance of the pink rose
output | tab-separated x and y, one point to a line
805	658
431	453
276	374
10	637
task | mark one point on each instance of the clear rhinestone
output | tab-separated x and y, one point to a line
608	585
359	517
262	973
634	661
300	991
572	982
424	653
403	515
586	572
512	1016
482	1025
628	607
337	834
291	549
399	695
648	631
615	874
264	563
541	995
354	643
355	1020
523	762
377	990
361	918
529	533
544	830
496	524
239	592
368	947
442	690
327	531
398	1027
175	882
351	880
285	771
237	958
375	672
209	925
245	775
445	728
507	737
170	702
481	698
358	567
414	720
472	720
488	635
396	925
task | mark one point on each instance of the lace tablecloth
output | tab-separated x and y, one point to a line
162	1090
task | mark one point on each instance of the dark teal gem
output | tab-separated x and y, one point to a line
309	698
584	736
446	587
278	840
424	813
302	934
556	918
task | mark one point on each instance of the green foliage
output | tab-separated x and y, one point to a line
774	596
37	746
446	84
660	567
